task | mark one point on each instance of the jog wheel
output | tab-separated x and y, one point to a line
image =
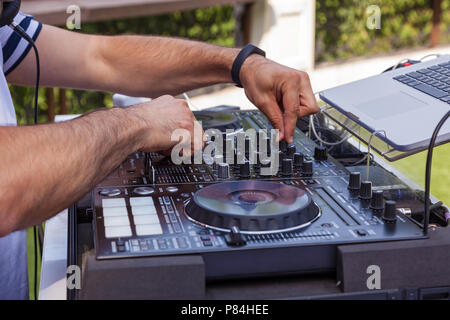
255	207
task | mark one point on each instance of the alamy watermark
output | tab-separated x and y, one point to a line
374	17
374	280
74	19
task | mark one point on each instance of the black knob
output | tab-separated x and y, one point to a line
217	159
247	147
377	202
291	149
268	149
223	171
307	168
365	193
286	167
354	182
244	169
320	153
281	157
390	211
283	145
298	160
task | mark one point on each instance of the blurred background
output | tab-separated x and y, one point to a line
332	40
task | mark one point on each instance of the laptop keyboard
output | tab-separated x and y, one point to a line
434	81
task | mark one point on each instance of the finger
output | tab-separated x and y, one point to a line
307	99
291	104
273	113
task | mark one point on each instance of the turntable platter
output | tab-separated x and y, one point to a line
252	206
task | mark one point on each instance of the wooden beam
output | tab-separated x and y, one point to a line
54	11
435	37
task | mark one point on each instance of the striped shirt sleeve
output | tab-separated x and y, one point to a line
15	48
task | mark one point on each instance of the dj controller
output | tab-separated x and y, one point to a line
242	221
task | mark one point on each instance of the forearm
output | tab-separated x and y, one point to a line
152	66
46	168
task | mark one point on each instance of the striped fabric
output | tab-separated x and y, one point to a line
14	47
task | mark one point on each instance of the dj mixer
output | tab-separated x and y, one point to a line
242	221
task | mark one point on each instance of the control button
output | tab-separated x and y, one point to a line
361	232
207	243
141	201
298	160
354	182
390	211
320	153
326	225
162	244
281	157
176	227
223	171
365	193
146	219
235	238
116	221
143	191
172	189
182	243
185	195
286	167
118	232
307	168
377	202
205	238
110	192
121	248
148	229
143	210
115	211
117	202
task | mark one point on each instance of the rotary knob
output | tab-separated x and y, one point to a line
281	157
365	193
320	153
377	202
223	171
283	145
291	150
298	160
307	168
354	182
244	169
390	212
286	167
247	147
217	159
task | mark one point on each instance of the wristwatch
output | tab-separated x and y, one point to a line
240	59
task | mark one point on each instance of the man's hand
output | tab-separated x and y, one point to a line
159	118
281	93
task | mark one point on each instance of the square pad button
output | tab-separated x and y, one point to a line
116	202
148	229
115	211
141	201
118	232
116	221
146	219
143	210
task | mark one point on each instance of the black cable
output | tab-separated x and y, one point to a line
428	171
17	28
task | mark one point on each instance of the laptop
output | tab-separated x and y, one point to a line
407	103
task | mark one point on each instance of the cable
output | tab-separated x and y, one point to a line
17	28
428	170
437	55
311	120
189	102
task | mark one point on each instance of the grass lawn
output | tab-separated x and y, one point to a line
414	168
